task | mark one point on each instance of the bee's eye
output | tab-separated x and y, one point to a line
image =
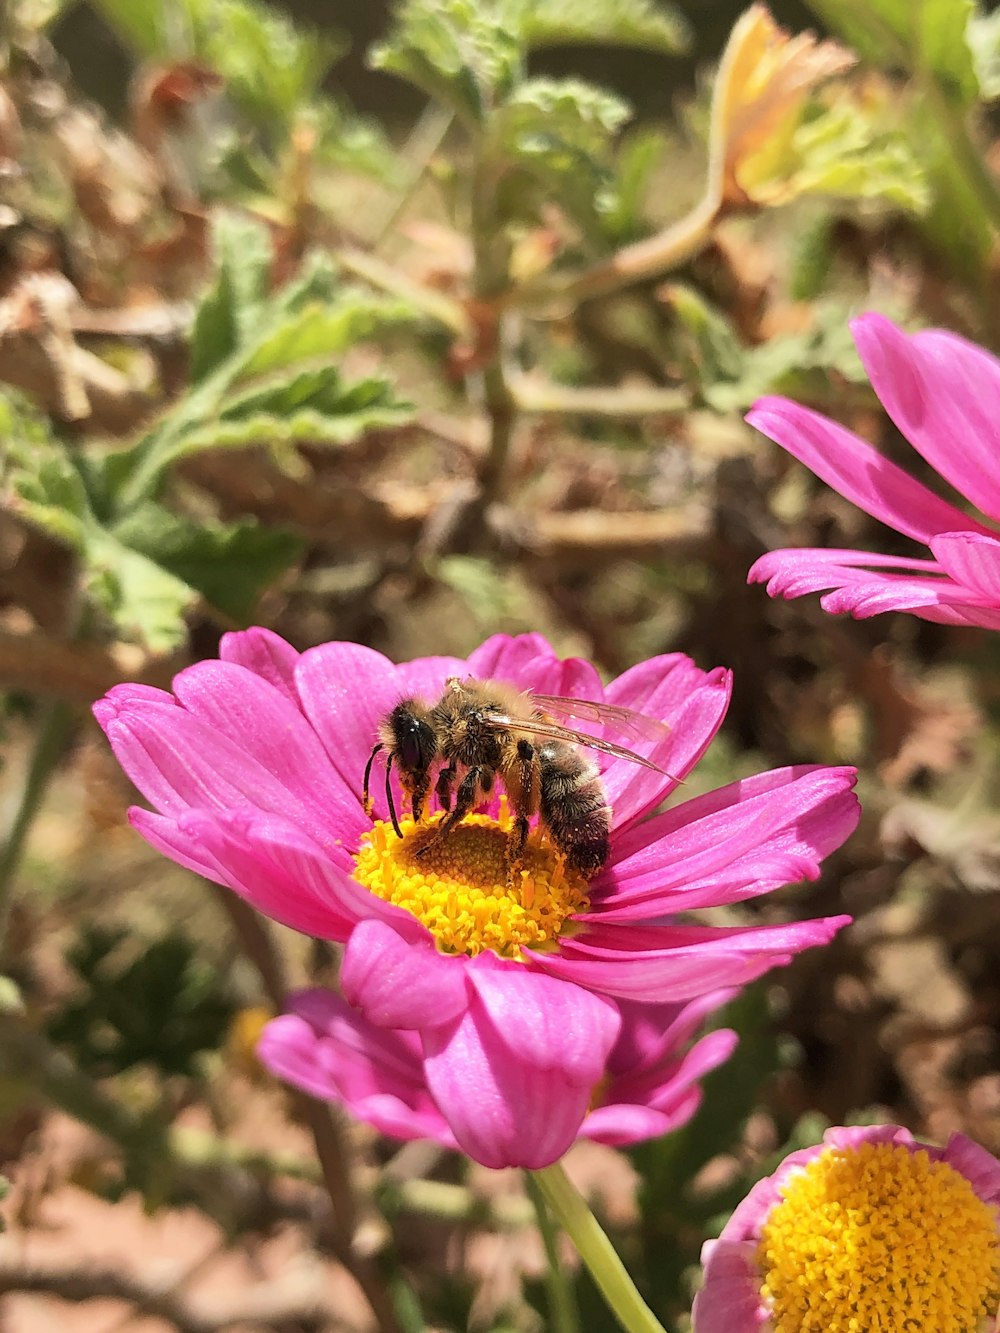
416	744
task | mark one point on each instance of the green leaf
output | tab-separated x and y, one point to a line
229	564
640	23
468	54
162	1007
271	66
926	37
843	148
560	132
230	309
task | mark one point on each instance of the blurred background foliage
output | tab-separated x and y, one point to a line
408	325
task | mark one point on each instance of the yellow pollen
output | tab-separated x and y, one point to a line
462	888
878	1239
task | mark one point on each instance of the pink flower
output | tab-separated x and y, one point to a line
650	1087
868	1230
254	768
944	395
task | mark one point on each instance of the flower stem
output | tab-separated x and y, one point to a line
563	1314
53	733
596	1251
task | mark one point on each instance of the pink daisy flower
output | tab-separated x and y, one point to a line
943	393
868	1230
650	1085
254	768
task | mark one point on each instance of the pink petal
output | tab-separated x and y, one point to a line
944	395
269	728
277	868
396	976
980	1168
692	702
621	1124
327	1049
264	653
178	762
672	963
971	560
164	835
514	1076
346	690
425	676
503	657
856	470
744	840
729	1301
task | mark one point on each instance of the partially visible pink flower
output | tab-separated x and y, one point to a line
868	1230
943	393
330	1050
254	768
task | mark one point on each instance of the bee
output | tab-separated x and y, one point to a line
482	730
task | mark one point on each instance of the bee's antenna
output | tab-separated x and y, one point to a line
366	800
388	797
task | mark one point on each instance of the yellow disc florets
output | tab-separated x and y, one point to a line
879	1239
463	889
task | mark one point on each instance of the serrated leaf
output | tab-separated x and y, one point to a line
560	132
270	65
920	36
146	603
305	427
640	23
230	564
323	330
844	147
466	53
229	310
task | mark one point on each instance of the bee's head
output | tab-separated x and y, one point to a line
411	737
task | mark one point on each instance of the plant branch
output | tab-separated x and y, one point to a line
327	1132
563	1312
54	732
596	1251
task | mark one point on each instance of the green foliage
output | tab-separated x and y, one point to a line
640	23
559	132
465	53
270	65
846	149
161	1008
261	375
261	365
929	36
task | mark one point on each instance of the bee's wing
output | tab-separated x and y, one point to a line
623	720
554	731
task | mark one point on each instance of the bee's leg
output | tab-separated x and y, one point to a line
445	782
388	797
418	795
521	781
366	799
478	782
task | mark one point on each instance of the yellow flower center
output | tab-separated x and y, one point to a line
463	889
878	1238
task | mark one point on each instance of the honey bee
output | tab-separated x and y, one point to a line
481	730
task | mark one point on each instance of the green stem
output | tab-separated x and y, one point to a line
563	1314
490	281
53	733
596	1251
